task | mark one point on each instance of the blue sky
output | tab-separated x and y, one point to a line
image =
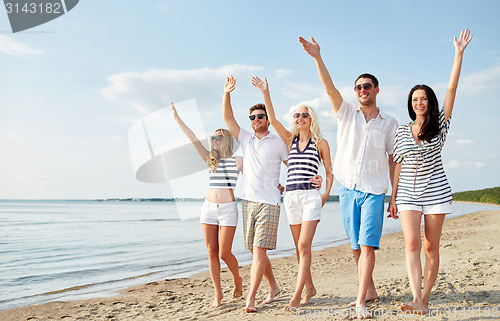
73	87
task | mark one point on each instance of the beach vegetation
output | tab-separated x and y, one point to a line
487	195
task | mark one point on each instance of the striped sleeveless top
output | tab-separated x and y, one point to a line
302	165
225	174
422	180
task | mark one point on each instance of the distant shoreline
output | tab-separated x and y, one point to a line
478	203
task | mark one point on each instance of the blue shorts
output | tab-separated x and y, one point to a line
363	217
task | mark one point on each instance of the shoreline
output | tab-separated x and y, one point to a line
477	203
468	278
113	287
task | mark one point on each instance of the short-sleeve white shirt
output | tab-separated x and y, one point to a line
361	161
262	160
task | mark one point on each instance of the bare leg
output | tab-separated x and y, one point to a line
274	289
410	223
225	245
310	289
371	293
261	266
432	236
366	263
211	233
304	248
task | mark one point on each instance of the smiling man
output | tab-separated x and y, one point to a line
363	166
263	153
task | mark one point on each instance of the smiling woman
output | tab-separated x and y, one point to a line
421	186
219	211
303	202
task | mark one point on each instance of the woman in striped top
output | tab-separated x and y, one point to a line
303	203
420	185
219	211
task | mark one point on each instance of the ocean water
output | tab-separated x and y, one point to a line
64	250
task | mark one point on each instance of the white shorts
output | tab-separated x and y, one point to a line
444	208
302	205
222	214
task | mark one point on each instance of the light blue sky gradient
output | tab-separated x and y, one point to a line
72	88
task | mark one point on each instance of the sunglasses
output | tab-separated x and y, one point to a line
304	115
217	138
366	86
259	116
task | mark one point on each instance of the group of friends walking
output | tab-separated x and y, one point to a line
371	151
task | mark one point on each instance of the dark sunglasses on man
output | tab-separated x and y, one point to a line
366	86
259	116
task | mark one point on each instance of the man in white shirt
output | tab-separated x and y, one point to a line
363	166
263	153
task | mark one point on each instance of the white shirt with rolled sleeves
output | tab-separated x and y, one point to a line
361	161
262	160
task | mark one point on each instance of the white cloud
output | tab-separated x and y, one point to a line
11	47
464	141
453	164
296	91
282	73
162	6
394	96
474	84
156	88
480	82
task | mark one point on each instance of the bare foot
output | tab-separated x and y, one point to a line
308	296
238	289
250	305
362	312
250	309
293	305
272	294
415	308
369	297
217	301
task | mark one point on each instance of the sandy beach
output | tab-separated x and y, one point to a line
467	287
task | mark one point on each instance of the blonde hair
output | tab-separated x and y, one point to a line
225	149
315	132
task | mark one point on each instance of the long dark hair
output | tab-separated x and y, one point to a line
430	127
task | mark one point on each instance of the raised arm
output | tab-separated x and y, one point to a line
312	48
227	110
202	151
460	46
280	129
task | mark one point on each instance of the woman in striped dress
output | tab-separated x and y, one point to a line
219	211
420	185
302	201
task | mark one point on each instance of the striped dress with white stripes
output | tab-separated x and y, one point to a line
422	181
302	165
225	175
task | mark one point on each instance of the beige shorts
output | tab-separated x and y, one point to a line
444	208
260	224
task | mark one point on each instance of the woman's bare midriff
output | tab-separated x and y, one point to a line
218	195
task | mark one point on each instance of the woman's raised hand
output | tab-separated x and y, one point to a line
463	40
261	85
174	111
230	84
